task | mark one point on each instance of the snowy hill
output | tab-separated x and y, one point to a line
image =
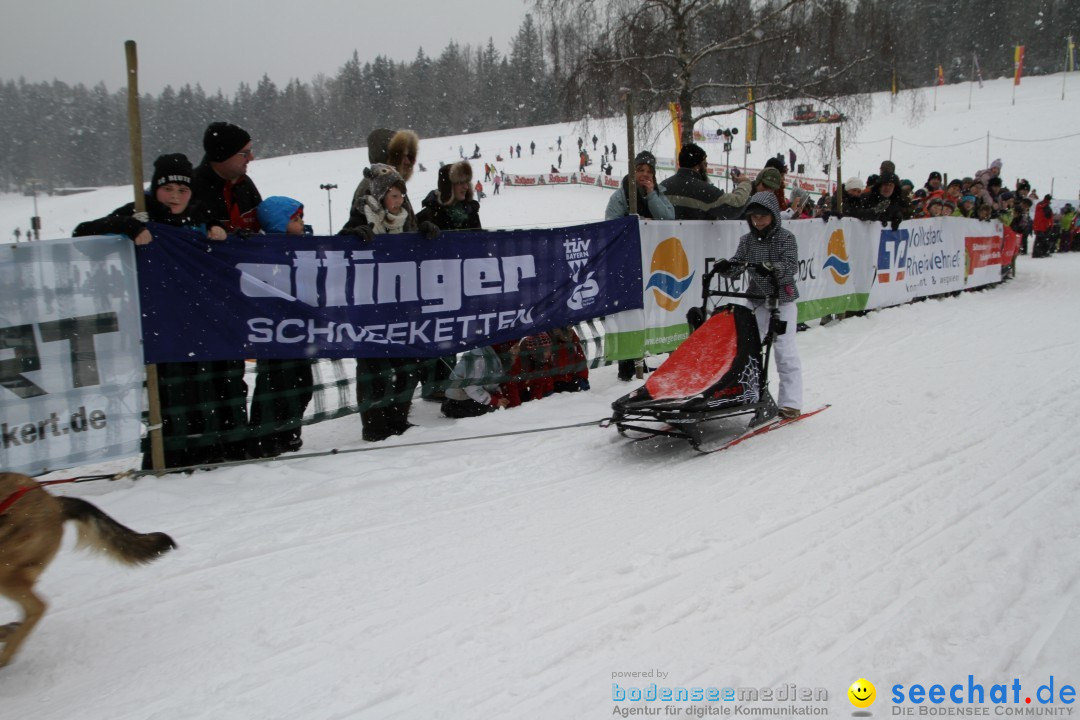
920	531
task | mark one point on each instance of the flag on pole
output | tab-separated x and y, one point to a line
1070	60
978	70
1018	63
940	75
751	116
676	125
894	81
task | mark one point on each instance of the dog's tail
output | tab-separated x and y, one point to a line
100	532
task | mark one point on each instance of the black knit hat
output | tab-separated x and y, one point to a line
691	155
645	158
222	140
174	168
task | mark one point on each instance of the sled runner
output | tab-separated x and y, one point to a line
720	371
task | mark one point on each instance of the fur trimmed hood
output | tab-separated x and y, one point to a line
450	174
389	147
404	142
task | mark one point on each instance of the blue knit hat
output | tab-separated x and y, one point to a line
275	212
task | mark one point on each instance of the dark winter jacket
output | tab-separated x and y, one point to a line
775	246
697	199
464	215
873	206
232	205
122	220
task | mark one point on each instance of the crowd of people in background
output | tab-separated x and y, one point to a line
206	418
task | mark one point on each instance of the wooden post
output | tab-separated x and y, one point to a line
839	177
157	445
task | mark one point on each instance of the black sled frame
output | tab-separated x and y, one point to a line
668	418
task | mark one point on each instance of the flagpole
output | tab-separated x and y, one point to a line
971	88
1065	73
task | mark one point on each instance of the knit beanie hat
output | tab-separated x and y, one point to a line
222	140
383	177
174	168
645	158
854	183
691	155
275	212
771	177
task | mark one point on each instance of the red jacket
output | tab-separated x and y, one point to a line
1042	217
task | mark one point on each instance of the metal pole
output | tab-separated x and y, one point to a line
839	177
157	444
329	214
631	151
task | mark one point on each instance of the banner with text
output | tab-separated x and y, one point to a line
71	372
399	296
844	265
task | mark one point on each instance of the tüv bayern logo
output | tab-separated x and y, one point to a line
669	274
837	261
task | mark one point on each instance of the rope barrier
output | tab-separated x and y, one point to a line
304	456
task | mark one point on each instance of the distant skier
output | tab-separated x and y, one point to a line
532	148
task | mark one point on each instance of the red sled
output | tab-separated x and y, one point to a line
720	371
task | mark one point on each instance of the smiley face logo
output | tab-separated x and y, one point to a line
862	693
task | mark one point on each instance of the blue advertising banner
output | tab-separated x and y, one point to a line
274	296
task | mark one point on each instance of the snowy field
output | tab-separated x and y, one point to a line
922	530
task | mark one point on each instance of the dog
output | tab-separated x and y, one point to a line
31	528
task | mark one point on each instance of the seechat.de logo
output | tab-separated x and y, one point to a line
669	274
837	260
862	693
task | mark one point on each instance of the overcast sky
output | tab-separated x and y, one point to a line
220	43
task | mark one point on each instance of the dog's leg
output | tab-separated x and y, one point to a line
19	586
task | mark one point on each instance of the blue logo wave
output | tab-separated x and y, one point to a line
843	269
668	284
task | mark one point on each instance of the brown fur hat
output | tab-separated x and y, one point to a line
404	142
450	174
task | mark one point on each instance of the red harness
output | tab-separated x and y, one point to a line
13	498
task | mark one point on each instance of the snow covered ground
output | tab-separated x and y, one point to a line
922	530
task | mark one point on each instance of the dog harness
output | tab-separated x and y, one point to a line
13	498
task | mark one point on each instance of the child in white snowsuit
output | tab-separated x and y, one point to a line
769	246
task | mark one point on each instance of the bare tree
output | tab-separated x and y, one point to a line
694	52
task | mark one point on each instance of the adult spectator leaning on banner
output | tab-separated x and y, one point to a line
221	183
884	203
187	419
450	206
694	197
651	203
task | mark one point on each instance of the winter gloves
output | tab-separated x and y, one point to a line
429	230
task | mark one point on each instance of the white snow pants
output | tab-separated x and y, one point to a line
785	354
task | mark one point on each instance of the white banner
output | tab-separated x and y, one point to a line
71	369
844	264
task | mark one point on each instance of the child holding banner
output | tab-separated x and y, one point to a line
190	430
384	386
283	388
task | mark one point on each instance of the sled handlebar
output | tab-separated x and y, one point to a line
764	269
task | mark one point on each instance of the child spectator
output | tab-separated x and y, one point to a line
192	429
384	386
475	385
283	388
569	367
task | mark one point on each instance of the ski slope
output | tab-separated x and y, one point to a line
921	530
